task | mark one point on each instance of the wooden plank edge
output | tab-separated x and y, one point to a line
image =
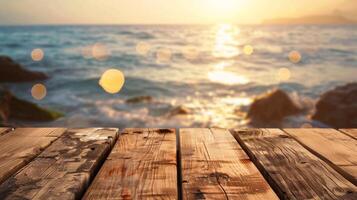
30	159
278	191
99	165
6	130
92	173
345	174
110	158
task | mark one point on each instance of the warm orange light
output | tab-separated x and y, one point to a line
112	81
163	55
238	101
284	74
222	9
227	78
225	45
87	52
100	51
248	50
294	56
190	53
143	48
306	125
37	54
38	91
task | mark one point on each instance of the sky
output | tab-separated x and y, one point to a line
15	12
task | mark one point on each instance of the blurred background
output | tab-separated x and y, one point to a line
227	63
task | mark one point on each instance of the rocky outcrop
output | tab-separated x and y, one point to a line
338	107
140	99
180	110
12	107
272	107
11	71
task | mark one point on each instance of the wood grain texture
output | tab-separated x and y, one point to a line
350	132
334	147
20	146
4	130
142	165
215	167
64	169
293	171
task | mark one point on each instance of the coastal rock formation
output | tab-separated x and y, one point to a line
338	107
11	71
272	107
140	99
12	107
179	110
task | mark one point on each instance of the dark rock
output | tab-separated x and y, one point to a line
140	99
10	71
12	107
272	107
338	107
179	110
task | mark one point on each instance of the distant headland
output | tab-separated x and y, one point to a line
313	20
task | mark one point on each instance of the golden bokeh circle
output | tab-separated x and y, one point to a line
295	56
100	52
163	55
143	48
190	53
248	50
38	91
284	74
112	81
37	54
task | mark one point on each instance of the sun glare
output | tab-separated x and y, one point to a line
225	45
223	8
227	78
223	5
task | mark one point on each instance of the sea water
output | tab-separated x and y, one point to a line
211	72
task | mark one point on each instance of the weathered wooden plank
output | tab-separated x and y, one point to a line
293	171
20	146
215	167
64	169
351	132
334	147
142	165
4	130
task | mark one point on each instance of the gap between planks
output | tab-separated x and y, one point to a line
292	170
142	165
179	164
178	153
350	132
215	167
334	147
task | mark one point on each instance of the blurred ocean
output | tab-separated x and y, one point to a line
207	70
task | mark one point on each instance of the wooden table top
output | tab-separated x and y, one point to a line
187	163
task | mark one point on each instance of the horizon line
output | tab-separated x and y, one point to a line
167	24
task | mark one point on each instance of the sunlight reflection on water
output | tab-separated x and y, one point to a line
204	68
227	78
225	46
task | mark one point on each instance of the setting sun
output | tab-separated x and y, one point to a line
224	10
223	6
